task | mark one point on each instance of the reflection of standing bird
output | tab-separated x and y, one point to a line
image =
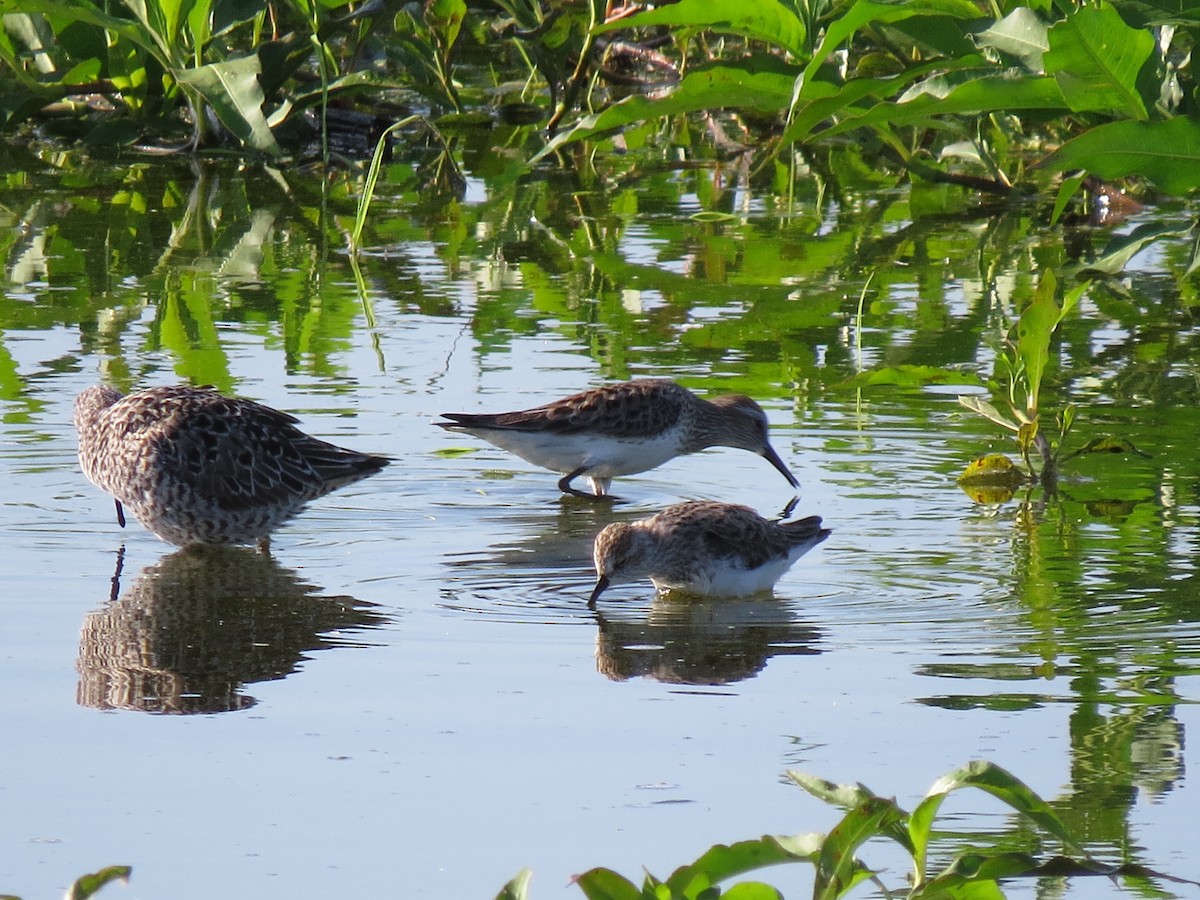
622	429
197	627
196	467
703	548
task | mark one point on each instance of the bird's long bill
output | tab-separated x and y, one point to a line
601	584
773	458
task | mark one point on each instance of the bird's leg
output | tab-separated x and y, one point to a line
564	485
120	513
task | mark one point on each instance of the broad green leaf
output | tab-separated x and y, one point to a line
1096	58
726	861
88	13
1004	786
844	796
986	94
752	890
760	84
446	17
232	89
605	884
1022	34
1167	153
838	870
825	101
869	12
518	888
86	886
1123	247
760	20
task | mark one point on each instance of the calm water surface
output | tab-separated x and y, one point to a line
411	697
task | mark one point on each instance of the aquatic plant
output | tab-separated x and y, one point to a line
975	872
993	98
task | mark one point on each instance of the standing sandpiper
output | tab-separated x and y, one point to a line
622	429
703	548
195	467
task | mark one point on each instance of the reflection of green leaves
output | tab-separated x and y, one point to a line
911	376
1121	248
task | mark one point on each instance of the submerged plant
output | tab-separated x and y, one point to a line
973	873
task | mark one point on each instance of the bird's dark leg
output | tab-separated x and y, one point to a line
564	485
120	513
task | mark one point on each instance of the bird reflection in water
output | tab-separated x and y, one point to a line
197	626
702	642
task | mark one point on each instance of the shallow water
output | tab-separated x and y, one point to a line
410	695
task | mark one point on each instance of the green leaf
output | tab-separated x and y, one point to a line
88	885
1068	189
984	94
752	890
838	870
869	12
761	83
605	884
1167	153
1096	58
989	412
844	796
726	861
823	100
518	888
1022	34
1004	786
232	89
760	20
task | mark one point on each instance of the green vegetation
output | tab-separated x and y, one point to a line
88	885
973	874
989	96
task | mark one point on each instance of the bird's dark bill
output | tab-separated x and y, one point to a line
601	584
773	458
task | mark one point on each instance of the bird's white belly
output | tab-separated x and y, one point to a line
725	578
599	456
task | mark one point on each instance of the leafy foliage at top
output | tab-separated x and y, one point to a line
987	96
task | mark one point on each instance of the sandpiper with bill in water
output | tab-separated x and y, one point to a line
703	548
622	429
195	467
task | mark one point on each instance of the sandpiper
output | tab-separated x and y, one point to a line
703	548
622	429
196	467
